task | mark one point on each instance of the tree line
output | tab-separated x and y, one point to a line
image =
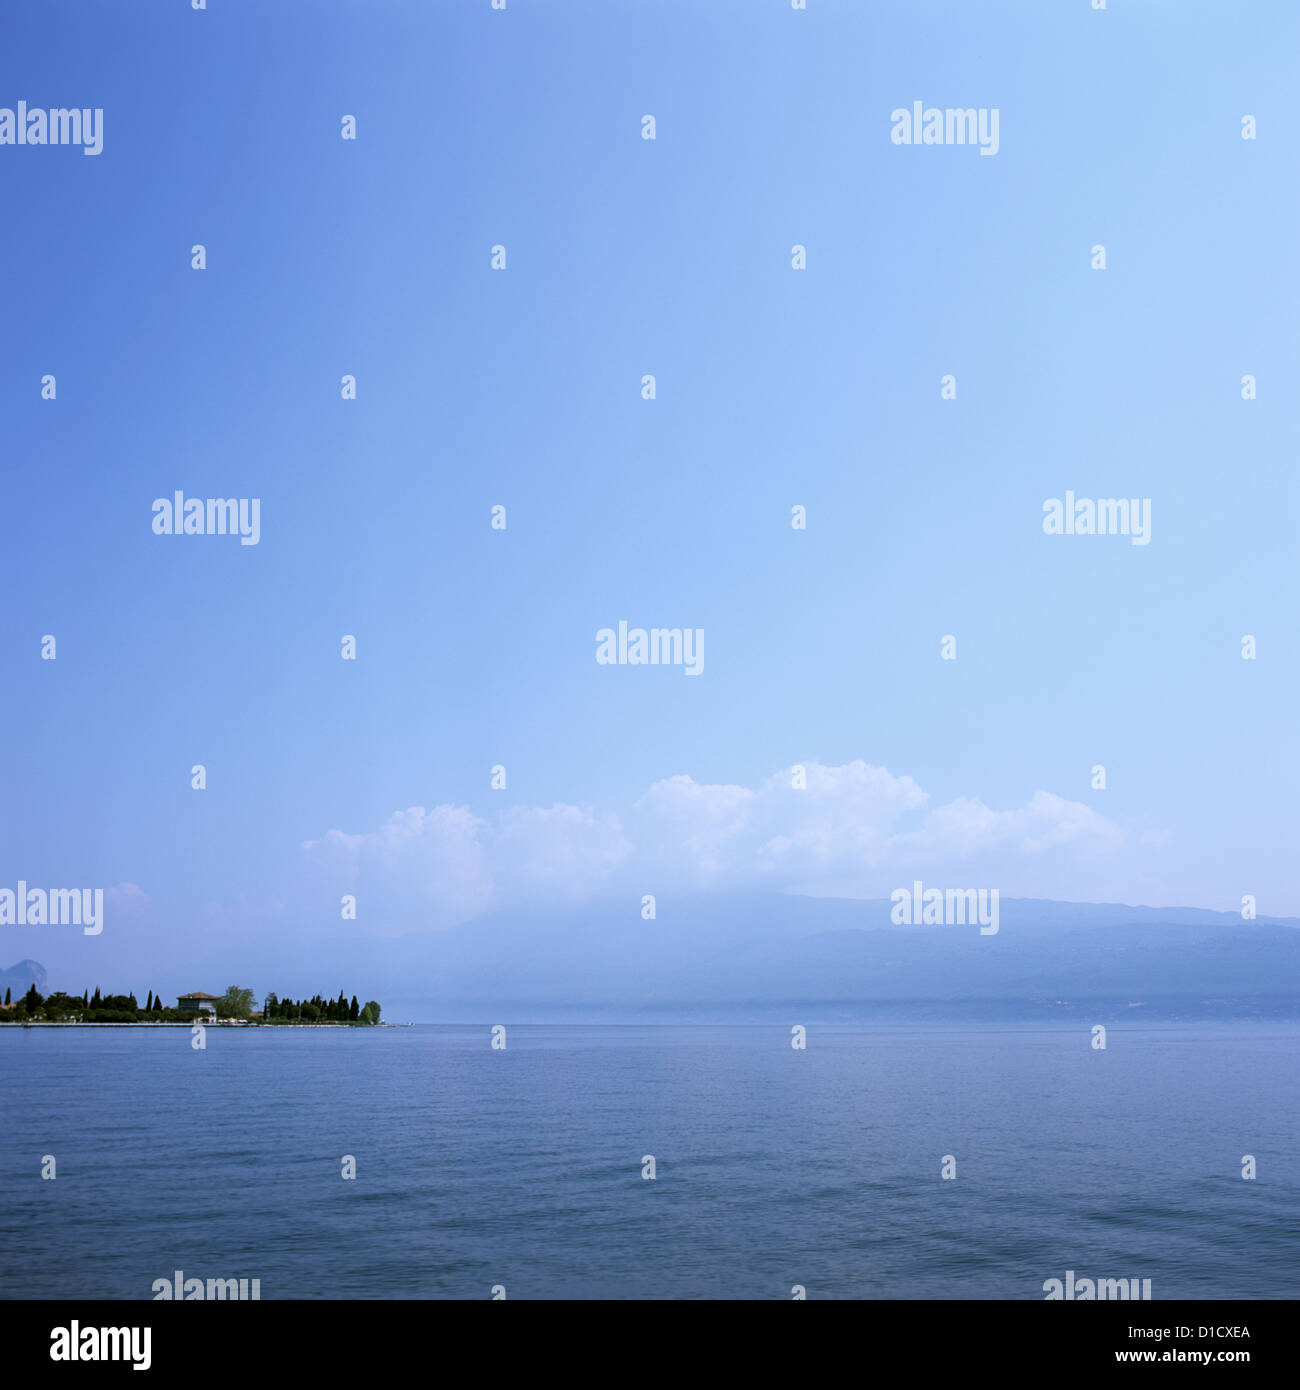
236	1002
317	1009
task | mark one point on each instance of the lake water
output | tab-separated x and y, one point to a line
775	1167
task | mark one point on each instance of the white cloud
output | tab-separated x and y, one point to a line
445	865
126	899
967	826
854	830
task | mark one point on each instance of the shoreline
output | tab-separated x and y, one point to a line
225	1023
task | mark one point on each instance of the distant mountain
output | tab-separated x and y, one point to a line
21	977
754	958
726	957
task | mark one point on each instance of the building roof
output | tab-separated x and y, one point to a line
198	994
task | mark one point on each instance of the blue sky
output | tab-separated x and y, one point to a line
522	388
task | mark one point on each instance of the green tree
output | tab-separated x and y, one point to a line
236	1002
8	996
148	1003
370	1014
354	1009
33	999
58	1005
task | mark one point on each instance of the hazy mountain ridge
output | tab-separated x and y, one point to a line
761	952
19	978
758	955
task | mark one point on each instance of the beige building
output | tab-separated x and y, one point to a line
198	1003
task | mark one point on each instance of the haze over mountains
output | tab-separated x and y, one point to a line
19	978
729	957
712	957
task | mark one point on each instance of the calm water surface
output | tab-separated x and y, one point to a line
775	1167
